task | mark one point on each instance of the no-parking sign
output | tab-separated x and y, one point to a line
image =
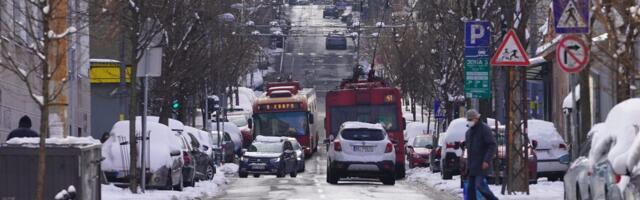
572	54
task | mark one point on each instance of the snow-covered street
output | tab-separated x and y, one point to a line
202	189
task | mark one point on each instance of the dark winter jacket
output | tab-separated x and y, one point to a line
481	147
23	130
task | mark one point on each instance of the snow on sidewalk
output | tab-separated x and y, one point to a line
543	190
203	189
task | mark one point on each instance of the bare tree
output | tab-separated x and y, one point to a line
33	46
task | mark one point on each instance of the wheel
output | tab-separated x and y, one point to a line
180	185
294	173
400	171
256	175
332	177
243	174
169	184
446	175
210	172
388	179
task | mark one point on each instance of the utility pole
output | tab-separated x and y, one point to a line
57	62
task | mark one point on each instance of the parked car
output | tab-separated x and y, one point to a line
347	18
226	148
330	12
434	164
242	122
610	171
361	150
269	155
189	167
419	151
336	41
234	133
165	169
205	168
416	129
451	151
551	150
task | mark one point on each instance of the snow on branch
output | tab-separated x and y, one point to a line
51	34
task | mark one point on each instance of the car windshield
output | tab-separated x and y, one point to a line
382	114
296	146
266	147
362	134
422	141
239	121
288	124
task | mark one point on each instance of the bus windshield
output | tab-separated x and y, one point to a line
383	114
288	124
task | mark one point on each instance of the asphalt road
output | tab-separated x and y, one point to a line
309	62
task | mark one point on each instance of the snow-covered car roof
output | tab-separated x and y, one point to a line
262	138
623	123
173	124
456	130
544	133
416	129
361	125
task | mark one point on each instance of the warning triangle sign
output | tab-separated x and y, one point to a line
510	52
571	17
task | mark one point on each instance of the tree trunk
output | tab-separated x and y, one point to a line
133	106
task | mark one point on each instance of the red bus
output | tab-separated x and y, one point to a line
286	109
368	100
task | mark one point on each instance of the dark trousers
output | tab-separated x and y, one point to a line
479	183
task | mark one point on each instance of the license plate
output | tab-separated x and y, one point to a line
363	148
258	167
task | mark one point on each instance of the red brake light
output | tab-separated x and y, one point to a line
562	146
617	178
187	158
389	148
455	145
438	152
337	146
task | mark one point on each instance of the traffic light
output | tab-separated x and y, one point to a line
213	103
175	105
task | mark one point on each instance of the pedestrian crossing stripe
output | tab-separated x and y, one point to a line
571	17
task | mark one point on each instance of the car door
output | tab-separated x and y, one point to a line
230	146
199	156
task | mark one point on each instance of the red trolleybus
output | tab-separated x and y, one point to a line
286	109
368	100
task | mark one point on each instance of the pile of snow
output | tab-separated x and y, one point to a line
417	128
543	190
623	122
229	168
567	103
234	133
70	140
544	133
361	125
456	131
202	189
161	142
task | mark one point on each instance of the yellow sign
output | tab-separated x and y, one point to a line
107	73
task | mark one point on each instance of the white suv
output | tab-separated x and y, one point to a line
361	150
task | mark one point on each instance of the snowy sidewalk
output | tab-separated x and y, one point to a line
202	190
543	190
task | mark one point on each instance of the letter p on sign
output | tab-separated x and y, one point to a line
477	33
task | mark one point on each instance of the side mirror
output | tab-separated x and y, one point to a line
250	123
311	118
534	144
174	153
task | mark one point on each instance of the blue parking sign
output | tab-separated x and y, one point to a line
477	33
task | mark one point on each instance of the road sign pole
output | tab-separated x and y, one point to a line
574	117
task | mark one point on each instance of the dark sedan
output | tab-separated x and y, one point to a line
276	157
337	41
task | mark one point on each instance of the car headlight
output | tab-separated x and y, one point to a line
565	159
244	159
275	159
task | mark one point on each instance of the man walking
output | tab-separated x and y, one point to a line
23	130
481	147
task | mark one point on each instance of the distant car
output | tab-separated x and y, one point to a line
419	151
242	122
451	151
347	18
165	169
330	12
205	168
551	150
269	155
336	41
361	150
234	133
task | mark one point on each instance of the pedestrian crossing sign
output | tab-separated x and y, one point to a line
571	16
510	52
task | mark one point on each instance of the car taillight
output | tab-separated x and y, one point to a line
438	152
186	158
337	146
389	148
455	145
617	178
562	146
